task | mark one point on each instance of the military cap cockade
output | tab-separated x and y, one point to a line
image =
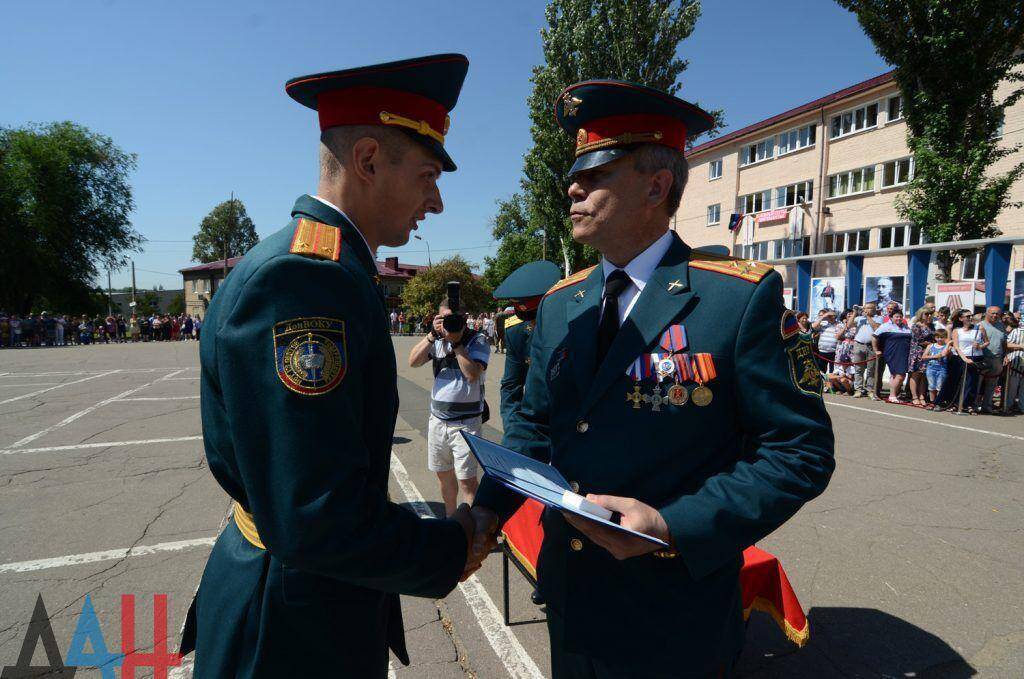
415	95
610	118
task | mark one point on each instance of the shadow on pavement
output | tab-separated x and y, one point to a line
850	642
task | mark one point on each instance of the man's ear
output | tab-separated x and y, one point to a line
365	156
660	184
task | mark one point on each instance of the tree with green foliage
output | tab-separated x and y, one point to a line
950	59
422	295
636	40
147	303
65	206
176	306
224	233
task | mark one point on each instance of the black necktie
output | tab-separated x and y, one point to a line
613	286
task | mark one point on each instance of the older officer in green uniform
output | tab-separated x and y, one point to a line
299	401
670	386
524	287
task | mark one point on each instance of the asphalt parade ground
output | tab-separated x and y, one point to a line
910	565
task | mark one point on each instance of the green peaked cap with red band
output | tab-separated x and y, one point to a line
610	118
413	95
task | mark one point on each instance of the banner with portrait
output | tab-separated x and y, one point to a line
1017	300
884	289
827	293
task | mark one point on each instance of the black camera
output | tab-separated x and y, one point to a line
455	322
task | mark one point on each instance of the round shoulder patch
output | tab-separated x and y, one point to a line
310	354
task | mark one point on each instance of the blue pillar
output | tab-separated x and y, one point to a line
854	280
917	279
803	285
997	269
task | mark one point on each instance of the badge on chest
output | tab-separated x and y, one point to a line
671	375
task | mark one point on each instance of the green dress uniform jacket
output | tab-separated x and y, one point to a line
517	360
309	459
723	476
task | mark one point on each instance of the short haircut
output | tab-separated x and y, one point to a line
649	158
944	310
336	144
941	333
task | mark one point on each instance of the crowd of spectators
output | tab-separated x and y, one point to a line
490	325
939	359
59	330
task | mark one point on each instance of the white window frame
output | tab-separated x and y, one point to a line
769	151
711	170
193	286
849	175
908	236
976	261
752	198
811	129
758	251
782	194
852	113
716	211
896	182
888	109
848	238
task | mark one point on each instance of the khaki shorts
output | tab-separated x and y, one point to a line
447	450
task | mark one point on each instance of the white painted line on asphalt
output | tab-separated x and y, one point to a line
108	555
82	413
926	421
34	384
64	384
109	444
96	372
510	651
172	379
158	398
184	670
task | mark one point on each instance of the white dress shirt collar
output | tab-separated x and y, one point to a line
641	268
350	221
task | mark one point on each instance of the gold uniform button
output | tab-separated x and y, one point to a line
574	486
582	426
576	545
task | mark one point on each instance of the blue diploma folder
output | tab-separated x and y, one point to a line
534	479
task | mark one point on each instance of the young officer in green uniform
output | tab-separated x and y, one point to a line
299	401
524	287
670	386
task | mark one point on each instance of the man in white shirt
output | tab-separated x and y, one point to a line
864	354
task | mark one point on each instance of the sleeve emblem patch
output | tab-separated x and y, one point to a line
310	354
789	325
802	368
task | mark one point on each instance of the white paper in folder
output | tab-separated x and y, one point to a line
539	481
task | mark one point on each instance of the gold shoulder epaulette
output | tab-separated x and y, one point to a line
577	277
730	266
512	321
316	240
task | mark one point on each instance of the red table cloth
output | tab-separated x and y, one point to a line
765	585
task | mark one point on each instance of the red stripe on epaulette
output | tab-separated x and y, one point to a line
316	240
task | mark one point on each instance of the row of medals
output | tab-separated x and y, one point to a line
677	394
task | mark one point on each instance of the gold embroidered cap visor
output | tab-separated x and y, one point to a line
412	95
611	118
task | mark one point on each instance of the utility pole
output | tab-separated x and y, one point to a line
110	300
544	244
133	285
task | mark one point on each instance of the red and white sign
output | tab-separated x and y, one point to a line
772	215
787	297
956	295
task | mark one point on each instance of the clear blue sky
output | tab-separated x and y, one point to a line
197	91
